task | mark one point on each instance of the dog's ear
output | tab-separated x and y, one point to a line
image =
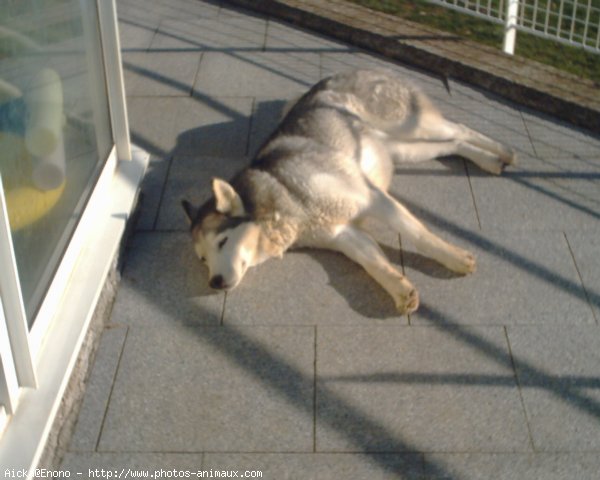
190	210
228	202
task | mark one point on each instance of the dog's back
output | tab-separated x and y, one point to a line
331	143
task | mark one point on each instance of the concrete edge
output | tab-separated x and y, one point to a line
571	101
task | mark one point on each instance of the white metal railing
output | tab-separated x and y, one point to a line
573	22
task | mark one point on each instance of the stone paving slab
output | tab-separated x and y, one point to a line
216	126
250	74
99	386
280	466
166	9
440	186
543	199
160	74
199	125
132	13
213	389
586	252
522	277
136	34
557	370
281	37
152	124
501	466
335	466
204	34
396	389
556	139
130	465
323	466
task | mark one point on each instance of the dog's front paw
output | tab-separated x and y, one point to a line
407	303
403	292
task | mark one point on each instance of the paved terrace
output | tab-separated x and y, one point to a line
305	371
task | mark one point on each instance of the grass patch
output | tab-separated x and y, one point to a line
564	57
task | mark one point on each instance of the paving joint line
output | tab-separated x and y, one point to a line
251	121
466	166
162	192
520	390
587	296
196	75
315	330
529	136
112	389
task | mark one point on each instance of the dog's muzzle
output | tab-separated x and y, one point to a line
217	282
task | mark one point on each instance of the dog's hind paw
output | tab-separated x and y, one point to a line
458	260
509	157
464	263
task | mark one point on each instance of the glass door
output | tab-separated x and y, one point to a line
55	133
69	180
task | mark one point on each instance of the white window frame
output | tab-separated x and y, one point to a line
37	363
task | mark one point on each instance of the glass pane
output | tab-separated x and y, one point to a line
54	128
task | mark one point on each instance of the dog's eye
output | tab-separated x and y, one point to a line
203	260
222	243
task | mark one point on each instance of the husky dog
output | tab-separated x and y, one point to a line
325	170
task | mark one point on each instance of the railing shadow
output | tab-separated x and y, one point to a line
274	373
563	388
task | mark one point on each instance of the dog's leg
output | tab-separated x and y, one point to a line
387	209
484	159
478	140
361	248
434	136
420	151
433	126
414	151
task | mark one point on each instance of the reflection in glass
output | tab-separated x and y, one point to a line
54	129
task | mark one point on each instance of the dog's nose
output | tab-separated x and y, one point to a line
217	282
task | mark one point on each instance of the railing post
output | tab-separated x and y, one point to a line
510	26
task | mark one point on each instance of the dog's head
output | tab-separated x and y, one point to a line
224	236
